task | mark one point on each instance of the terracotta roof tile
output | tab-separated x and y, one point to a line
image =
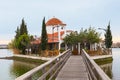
54	22
52	38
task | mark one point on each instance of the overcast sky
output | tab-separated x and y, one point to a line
75	13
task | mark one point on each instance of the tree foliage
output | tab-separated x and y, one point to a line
70	39
21	40
108	37
82	36
23	28
44	38
92	36
88	36
17	33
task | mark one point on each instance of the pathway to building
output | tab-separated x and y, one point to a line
74	69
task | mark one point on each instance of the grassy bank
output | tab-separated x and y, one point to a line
104	60
28	60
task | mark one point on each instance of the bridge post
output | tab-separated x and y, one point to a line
66	46
78	48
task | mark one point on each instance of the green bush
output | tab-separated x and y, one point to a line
62	50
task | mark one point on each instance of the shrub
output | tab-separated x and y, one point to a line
75	52
62	50
16	51
55	52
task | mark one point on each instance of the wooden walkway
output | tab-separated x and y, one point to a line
74	69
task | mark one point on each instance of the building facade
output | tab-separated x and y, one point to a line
56	31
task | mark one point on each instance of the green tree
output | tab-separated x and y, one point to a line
70	39
82	37
23	28
108	37
22	43
17	33
87	36
92	37
44	38
22	39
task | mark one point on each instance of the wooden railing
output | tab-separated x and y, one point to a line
94	71
48	70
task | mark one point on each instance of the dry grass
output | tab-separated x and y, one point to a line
16	51
49	53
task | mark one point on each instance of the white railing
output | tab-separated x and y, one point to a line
48	70
94	71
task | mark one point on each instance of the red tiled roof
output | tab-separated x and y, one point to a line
55	21
36	41
52	38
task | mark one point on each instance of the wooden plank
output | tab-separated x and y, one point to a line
74	69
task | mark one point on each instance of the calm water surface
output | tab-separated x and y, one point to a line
11	69
113	69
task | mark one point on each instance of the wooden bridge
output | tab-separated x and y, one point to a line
74	69
67	67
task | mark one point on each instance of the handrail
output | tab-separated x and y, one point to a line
48	70
94	71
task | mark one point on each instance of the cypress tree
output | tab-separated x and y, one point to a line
44	38
21	40
108	37
23	28
17	33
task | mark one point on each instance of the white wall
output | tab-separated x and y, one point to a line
50	29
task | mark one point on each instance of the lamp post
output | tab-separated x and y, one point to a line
108	38
104	41
102	29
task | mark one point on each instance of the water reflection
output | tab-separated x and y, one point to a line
107	68
18	68
113	69
116	64
11	69
4	69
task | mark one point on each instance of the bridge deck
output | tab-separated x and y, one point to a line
74	69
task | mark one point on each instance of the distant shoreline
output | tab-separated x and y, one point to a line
3	46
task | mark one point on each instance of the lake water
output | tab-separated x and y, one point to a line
113	69
11	69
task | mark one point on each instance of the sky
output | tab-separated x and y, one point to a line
76	14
